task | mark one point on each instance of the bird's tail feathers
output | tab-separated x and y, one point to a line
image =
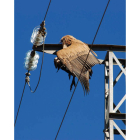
84	80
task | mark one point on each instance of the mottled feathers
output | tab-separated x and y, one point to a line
72	59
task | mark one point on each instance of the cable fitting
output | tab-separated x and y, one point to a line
27	79
42	28
39	34
32	53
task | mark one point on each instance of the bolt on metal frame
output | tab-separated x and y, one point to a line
111	110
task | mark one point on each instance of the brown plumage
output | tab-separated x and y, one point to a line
72	58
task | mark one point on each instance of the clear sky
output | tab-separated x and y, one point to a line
41	113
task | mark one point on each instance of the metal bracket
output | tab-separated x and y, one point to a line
27	78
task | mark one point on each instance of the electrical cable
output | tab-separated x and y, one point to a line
42	56
47	10
40	71
100	22
20	103
28	72
82	70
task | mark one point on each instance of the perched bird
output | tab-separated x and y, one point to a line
72	59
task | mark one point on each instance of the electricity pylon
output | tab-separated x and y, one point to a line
112	111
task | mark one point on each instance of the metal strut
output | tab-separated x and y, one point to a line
112	111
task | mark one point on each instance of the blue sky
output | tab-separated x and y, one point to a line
41	113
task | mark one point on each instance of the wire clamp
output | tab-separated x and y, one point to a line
42	28
27	79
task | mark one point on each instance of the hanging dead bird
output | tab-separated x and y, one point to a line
72	59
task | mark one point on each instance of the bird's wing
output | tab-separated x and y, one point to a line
73	57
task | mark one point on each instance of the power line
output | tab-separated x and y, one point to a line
42	24
65	113
81	70
47	9
100	22
20	103
28	71
40	72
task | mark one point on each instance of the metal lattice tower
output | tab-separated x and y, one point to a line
112	111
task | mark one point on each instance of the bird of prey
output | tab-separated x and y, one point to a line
72	58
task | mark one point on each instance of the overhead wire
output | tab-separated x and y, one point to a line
20	104
28	71
81	71
40	71
42	55
47	9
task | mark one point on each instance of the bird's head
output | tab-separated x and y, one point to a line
67	40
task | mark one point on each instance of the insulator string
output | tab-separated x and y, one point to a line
28	72
40	72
